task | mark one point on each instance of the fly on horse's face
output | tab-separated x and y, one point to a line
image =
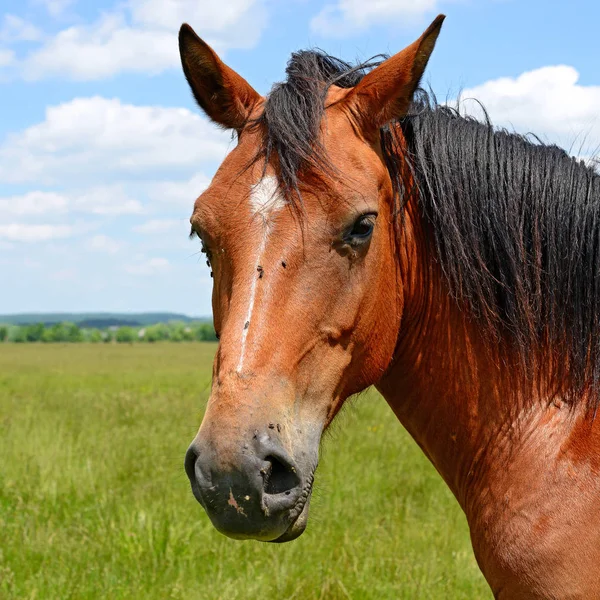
305	298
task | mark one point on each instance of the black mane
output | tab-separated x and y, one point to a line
514	223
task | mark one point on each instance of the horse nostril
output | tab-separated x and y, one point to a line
191	456
280	476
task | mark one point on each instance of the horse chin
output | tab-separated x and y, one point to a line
297	527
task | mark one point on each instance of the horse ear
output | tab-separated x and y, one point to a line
223	95
386	92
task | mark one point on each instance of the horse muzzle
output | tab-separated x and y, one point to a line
258	488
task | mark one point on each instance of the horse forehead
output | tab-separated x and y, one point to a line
266	196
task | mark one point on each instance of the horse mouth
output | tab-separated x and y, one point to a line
299	522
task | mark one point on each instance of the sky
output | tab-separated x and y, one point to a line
103	151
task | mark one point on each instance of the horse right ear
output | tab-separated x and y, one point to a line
386	92
223	95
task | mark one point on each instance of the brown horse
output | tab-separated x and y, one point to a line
359	234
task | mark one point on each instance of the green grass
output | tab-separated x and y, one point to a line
94	502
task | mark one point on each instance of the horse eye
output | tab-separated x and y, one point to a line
363	227
203	248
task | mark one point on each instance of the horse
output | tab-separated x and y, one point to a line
361	234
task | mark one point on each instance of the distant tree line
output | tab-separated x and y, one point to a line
175	331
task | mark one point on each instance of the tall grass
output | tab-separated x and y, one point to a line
94	502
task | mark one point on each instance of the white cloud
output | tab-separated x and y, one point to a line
106	200
232	16
102	50
33	203
24	232
141	36
63	274
157	226
182	193
146	267
104	244
7	57
29	263
346	17
94	140
56	7
548	102
15	29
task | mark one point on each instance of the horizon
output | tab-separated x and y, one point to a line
103	312
103	150
30	318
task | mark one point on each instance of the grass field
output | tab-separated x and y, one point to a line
94	502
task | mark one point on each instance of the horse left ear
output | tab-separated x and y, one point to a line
386	92
226	97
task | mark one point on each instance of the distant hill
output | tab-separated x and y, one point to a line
99	320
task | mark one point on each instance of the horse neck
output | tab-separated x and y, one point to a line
450	385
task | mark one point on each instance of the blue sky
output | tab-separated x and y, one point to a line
102	150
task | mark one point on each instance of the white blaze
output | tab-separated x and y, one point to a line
265	200
265	197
